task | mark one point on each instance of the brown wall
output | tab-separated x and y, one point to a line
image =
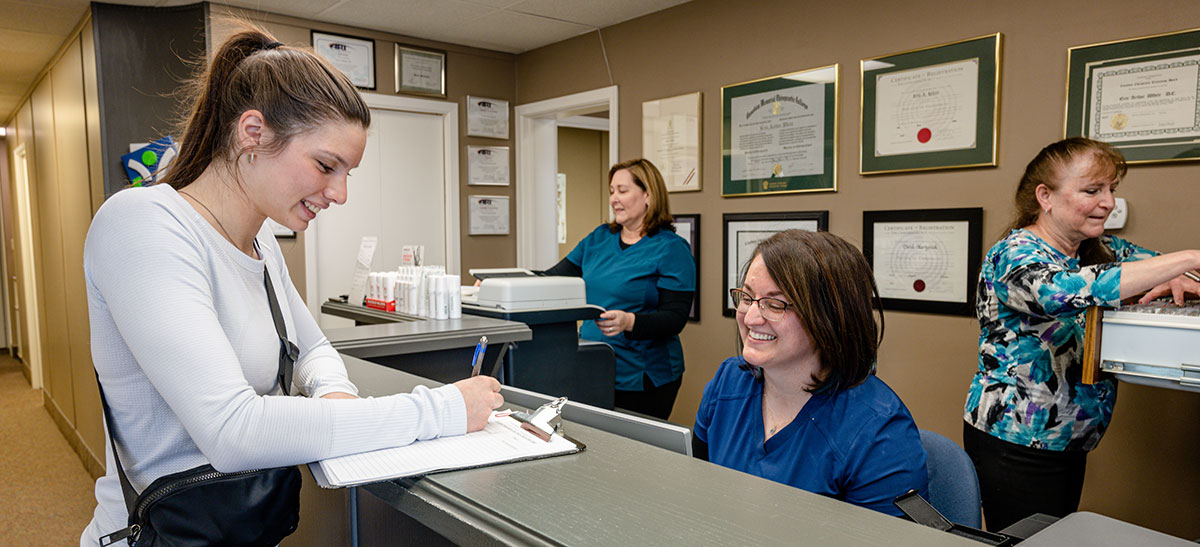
583	158
469	71
1145	470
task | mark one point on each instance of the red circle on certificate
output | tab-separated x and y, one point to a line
919	285
924	135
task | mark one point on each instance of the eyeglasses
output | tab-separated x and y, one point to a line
772	309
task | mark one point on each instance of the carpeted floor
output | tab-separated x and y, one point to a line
45	493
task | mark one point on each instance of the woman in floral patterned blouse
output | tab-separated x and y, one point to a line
1030	420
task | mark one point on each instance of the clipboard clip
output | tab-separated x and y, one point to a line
545	421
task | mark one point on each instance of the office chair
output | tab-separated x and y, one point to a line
953	485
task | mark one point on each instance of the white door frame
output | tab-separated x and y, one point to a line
24	222
449	113
537	168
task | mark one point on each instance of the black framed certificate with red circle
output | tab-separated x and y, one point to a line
925	260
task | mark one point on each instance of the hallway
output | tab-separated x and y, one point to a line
45	493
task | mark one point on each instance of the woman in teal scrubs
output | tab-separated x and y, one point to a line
643	275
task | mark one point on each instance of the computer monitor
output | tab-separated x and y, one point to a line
662	434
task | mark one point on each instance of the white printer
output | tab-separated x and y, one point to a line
529	293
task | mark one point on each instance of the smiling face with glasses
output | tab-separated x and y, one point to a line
772	333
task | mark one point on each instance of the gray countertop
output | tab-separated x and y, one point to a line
623	492
419	335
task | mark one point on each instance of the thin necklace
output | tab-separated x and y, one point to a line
212	214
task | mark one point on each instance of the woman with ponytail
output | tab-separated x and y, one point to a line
186	288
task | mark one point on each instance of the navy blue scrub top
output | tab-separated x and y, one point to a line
858	445
628	280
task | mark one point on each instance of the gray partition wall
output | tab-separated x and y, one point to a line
143	54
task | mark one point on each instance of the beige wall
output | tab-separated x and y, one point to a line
583	158
469	71
57	124
1145	470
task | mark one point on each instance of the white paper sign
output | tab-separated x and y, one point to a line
362	267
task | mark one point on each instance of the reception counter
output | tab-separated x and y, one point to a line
618	491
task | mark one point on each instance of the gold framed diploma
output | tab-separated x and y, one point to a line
925	260
420	71
779	134
1140	95
931	108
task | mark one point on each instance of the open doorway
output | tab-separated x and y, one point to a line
27	303
582	178
537	142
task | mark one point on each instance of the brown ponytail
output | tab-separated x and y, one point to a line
294	89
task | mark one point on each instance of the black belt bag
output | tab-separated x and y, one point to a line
202	506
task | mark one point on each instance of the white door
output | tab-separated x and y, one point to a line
399	194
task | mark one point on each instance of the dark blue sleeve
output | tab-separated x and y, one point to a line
887	460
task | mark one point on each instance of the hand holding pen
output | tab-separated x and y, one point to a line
481	394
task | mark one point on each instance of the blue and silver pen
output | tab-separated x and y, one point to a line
477	360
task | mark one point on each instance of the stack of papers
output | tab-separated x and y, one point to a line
501	441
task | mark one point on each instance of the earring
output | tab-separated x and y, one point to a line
251	158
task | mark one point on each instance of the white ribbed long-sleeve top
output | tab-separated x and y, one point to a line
185	346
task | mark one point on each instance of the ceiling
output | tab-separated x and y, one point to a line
32	31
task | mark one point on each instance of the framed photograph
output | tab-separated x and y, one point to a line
931	108
925	260
420	71
488	215
1139	95
671	140
688	227
487	117
487	165
742	234
779	134
353	56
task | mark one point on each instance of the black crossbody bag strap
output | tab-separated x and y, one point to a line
288	352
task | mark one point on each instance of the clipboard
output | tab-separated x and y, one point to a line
507	438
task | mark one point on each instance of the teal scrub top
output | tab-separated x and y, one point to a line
628	280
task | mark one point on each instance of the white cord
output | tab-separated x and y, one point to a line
605	53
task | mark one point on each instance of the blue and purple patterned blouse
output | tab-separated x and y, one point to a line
1030	302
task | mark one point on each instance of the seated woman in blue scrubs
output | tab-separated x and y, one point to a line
802	405
643	275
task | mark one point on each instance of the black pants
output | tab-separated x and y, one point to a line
1017	481
651	400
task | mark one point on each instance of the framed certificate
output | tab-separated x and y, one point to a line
779	134
688	227
353	56
671	140
744	231
488	215
925	260
1141	95
931	108
487	117
420	71
487	165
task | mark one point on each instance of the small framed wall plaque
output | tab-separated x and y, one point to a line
487	117
925	260
420	71
355	57
744	231
671	140
688	227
